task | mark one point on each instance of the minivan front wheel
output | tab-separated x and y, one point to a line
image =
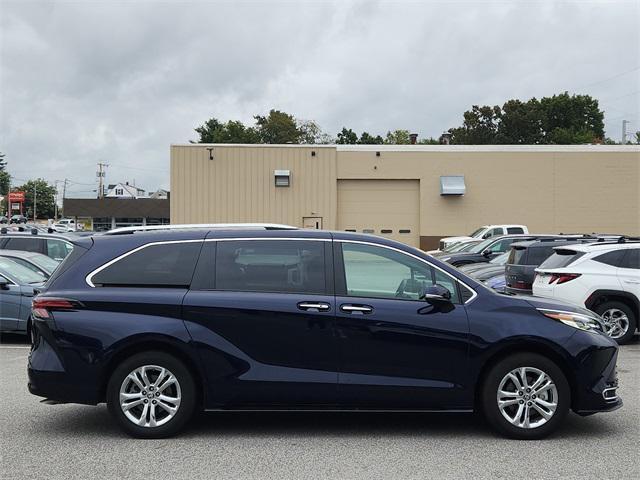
525	396
151	395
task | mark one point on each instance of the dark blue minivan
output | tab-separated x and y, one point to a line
160	324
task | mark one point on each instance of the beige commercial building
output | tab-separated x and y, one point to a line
410	193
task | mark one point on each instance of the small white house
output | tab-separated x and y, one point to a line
160	193
124	190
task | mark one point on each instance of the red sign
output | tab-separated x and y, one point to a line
16	196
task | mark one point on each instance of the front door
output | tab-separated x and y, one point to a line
264	329
397	351
10	302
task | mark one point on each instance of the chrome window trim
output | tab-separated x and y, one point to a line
89	278
474	293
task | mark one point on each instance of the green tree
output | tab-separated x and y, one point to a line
398	137
233	131
278	127
428	141
347	137
3	162
479	126
367	139
311	133
45	200
571	119
638	138
520	123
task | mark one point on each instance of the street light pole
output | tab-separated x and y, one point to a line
35	202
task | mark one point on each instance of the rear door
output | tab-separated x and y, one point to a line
397	351
263	319
629	272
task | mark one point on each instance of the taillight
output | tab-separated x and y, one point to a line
559	278
523	285
42	306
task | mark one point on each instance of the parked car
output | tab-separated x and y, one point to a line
65	225
54	246
37	262
496	282
495	264
18	219
525	257
486	250
604	277
484	232
17	284
160	324
3	219
463	246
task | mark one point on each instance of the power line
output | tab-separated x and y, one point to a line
608	79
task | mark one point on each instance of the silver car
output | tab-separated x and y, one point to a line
16	291
37	262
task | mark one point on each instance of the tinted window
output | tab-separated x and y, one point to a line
169	265
285	266
24	244
632	260
613	258
378	272
561	258
515	230
501	245
517	256
537	255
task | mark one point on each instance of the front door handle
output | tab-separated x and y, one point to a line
362	309
319	306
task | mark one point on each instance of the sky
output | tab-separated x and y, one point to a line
118	82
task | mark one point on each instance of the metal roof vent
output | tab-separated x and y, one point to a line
452	185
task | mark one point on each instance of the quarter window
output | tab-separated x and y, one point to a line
377	272
613	258
58	249
280	266
166	265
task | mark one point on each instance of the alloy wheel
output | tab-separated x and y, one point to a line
150	396
616	322
527	397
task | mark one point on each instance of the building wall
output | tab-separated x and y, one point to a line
238	184
548	188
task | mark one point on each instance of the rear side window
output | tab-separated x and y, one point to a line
537	255
24	244
561	258
613	258
280	266
58	249
166	265
515	230
632	260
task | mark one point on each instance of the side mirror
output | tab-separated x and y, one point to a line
486	253
436	294
486	235
4	283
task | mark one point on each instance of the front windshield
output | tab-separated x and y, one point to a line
478	232
19	272
48	264
500	259
480	247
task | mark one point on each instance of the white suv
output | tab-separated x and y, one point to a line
604	277
484	232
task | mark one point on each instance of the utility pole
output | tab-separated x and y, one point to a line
101	173
55	202
64	194
35	202
624	131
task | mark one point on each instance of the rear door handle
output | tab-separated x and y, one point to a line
632	281
319	306
363	309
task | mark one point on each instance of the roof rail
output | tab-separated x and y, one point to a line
210	226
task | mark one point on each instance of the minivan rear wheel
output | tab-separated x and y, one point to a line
151	395
525	396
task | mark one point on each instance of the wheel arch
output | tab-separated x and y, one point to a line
156	343
599	297
524	346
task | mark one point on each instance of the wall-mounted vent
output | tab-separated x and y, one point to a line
452	185
282	178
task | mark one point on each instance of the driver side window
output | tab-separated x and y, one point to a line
378	272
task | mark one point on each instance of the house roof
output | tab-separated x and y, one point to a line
117	207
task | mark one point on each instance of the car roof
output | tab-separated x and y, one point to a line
19	253
13	234
602	246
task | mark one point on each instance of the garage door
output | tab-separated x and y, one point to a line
389	208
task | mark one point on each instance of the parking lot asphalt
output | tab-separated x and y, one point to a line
81	442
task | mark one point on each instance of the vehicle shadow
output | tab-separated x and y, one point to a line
13	339
83	421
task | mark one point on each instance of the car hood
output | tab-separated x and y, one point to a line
553	304
455	239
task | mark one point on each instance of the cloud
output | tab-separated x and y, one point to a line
119	82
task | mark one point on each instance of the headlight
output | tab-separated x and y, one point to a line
575	320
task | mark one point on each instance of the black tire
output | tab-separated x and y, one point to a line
489	390
633	320
188	394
